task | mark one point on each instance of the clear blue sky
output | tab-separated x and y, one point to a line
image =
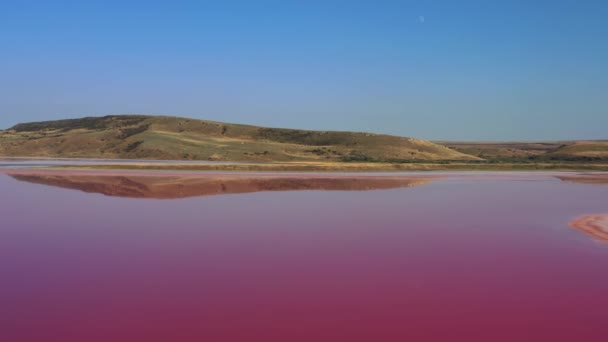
445	70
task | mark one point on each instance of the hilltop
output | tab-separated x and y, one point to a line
175	138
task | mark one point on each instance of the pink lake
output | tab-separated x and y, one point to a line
291	257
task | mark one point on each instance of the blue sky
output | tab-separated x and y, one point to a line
442	70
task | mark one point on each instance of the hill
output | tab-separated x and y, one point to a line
174	138
556	151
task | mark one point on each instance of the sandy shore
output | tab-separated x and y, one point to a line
594	225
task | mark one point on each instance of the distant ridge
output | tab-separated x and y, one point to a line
576	151
175	138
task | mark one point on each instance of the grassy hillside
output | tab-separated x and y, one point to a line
172	138
560	151
580	151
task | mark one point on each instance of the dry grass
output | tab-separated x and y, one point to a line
568	151
171	138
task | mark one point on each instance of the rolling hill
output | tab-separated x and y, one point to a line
552	151
174	138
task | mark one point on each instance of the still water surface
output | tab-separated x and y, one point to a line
208	257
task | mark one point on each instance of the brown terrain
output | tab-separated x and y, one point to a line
143	137
171	187
595	225
566	151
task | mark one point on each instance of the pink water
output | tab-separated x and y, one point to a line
461	258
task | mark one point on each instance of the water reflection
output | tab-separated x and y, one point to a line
171	187
586	178
473	257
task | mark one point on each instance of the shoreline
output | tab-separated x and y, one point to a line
339	167
307	166
564	176
594	225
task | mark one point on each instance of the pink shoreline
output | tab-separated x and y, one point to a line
452	175
236	174
594	225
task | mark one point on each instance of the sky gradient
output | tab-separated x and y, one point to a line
441	70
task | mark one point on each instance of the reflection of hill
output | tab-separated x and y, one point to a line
593	225
586	178
166	187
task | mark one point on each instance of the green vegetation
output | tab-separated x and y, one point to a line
312	138
127	132
91	123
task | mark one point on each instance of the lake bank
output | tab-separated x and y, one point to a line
341	167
